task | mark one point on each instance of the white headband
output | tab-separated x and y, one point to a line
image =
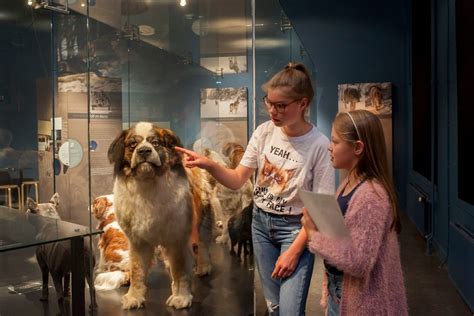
353	122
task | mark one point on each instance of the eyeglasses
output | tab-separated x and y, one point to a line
279	107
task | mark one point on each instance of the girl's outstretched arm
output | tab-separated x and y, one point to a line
232	178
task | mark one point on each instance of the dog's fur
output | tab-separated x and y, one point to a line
203	219
240	231
229	202
155	203
234	153
113	269
55	258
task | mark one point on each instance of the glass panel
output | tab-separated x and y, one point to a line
106	66
22	229
25	64
25	61
183	68
44	144
276	45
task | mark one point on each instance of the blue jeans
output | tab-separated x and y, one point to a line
272	235
335	293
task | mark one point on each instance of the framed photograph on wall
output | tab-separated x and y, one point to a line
374	97
223	103
223	118
225	65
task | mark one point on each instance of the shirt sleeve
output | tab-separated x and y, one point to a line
250	158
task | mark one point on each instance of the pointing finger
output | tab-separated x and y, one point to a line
186	151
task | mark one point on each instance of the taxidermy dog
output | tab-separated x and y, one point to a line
55	258
233	153
113	269
225	202
230	202
158	202
240	231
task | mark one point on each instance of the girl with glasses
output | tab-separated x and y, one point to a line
287	152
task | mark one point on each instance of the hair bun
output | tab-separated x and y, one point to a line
297	66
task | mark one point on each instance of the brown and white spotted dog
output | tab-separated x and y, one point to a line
156	203
113	269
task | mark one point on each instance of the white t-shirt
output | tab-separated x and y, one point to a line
285	163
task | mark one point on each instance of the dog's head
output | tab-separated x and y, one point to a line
144	151
49	209
101	206
375	92
234	152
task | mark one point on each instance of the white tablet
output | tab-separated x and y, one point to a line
325	213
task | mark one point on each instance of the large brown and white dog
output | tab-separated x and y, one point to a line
113	269
154	201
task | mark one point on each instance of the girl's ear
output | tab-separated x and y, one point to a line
305	102
359	147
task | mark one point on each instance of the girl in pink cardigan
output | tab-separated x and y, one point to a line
363	273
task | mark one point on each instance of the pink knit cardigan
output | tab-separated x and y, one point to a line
370	258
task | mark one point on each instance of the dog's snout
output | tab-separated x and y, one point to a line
144	151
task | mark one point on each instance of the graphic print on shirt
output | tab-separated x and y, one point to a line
272	181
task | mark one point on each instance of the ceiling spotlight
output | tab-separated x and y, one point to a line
30	2
182	3
83	5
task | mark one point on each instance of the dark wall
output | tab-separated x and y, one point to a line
24	57
357	41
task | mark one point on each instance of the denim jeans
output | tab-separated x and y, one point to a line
335	293
272	235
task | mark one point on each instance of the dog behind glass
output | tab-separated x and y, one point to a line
55	258
240	232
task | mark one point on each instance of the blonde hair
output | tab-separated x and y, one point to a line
373	164
293	81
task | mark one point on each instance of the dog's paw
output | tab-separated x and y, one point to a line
130	301
180	301
203	270
222	239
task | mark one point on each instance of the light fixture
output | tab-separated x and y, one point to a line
30	2
182	3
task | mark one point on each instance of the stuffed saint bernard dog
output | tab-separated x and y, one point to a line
158	202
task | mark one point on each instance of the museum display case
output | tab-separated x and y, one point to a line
73	75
